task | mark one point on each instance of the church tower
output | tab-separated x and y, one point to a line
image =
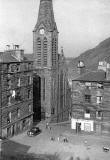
45	50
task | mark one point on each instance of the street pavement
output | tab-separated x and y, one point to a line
83	146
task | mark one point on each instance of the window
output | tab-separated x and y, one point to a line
45	52
29	80
100	85
30	108
9	117
18	96
9	83
87	113
99	99
88	85
29	66
99	114
29	94
18	83
9	100
39	52
18	112
88	98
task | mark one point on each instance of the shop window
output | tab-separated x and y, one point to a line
9	117
88	98
99	99
18	112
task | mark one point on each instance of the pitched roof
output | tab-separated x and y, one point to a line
94	76
29	57
7	57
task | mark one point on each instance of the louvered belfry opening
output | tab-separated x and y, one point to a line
39	52
45	52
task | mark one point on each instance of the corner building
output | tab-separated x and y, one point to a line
46	58
16	92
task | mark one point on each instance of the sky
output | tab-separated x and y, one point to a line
82	24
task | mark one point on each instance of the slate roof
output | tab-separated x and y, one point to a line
7	58
29	57
94	76
46	16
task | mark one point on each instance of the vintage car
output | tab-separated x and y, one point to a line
33	131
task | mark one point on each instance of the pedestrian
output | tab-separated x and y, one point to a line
58	139
52	138
47	125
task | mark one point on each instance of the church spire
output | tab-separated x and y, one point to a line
46	16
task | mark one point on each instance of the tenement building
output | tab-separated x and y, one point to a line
16	92
50	79
91	100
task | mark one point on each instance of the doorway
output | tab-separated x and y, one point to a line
78	127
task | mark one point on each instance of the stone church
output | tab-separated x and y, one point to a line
52	94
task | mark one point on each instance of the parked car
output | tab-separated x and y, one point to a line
33	131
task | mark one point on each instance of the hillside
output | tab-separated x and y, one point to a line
90	58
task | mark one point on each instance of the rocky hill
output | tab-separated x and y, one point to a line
90	58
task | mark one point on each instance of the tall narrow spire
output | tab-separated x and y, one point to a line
46	15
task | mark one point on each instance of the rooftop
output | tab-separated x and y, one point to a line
94	76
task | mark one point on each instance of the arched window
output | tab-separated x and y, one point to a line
54	51
39	52
45	52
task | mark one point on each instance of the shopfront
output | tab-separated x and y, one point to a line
82	125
